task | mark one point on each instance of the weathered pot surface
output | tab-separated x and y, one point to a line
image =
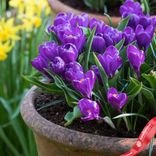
54	140
58	6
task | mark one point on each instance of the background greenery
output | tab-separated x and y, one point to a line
15	138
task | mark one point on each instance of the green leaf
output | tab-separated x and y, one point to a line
49	87
8	142
71	116
122	25
109	121
95	4
120	44
151	147
113	80
71	95
109	19
86	31
53	37
151	78
146	6
6	105
150	97
153	51
55	102
102	73
88	49
76	112
70	98
130	114
123	51
134	89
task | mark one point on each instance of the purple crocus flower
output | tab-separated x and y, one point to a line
117	100
62	18
80	20
136	58
112	36
48	50
68	52
73	71
128	35
57	65
96	23
116	36
145	21
89	109
85	85
60	30
134	9
134	21
130	7
144	36
98	44
74	36
108	40
97	72
40	64
110	60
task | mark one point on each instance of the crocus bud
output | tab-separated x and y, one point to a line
134	21
40	64
144	36
57	65
145	21
130	7
111	35
80	20
89	109
98	44
110	60
68	52
75	36
85	85
60	30
136	58
48	50
117	100
128	35
97	72
98	24
62	18
73	71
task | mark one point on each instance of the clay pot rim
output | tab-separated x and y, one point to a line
58	6
53	132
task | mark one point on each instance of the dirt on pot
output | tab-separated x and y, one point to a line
56	113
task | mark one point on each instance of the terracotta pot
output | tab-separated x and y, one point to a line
58	6
54	140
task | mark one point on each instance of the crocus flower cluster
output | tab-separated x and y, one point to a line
143	25
63	57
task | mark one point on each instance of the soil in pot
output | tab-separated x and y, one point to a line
55	113
80	5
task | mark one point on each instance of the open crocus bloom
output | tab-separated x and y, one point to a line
110	60
85	84
89	109
117	100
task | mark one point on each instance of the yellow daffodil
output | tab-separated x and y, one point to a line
30	12
8	31
3	56
4	49
31	7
